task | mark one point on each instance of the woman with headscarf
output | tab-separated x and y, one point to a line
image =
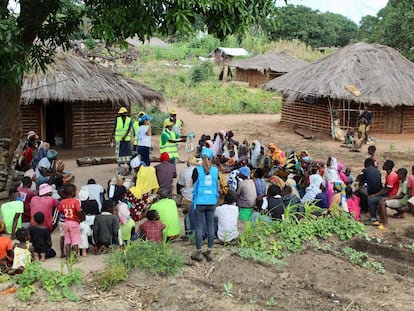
315	181
205	197
331	172
139	196
277	154
254	154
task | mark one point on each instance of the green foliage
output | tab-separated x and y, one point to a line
153	258
258	256
312	27
203	71
157	123
278	238
56	283
227	289
361	259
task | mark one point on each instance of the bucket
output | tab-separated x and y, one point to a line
245	213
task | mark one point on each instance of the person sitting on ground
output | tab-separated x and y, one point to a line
273	203
331	172
353	203
166	172
46	169
371	154
12	212
396	202
231	162
277	155
314	187
6	250
105	228
96	192
288	198
26	194
40	237
410	185
260	184
341	173
152	229
227	214
167	209
321	199
122	210
88	206
246	190
339	200
23	251
348	173
45	204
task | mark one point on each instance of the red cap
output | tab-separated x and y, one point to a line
164	157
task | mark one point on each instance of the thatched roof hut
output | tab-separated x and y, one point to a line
339	85
76	100
262	68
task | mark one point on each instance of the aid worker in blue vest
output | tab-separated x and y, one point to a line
205	197
122	135
168	141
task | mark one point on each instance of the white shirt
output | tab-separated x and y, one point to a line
227	222
144	139
185	179
95	192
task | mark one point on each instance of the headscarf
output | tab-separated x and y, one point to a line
342	175
146	181
331	172
255	153
339	187
277	154
315	181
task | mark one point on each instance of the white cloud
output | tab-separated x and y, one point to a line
353	9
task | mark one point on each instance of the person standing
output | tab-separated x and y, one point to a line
144	139
205	197
121	132
177	123
364	122
168	142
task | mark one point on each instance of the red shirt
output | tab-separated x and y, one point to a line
152	230
44	204
70	208
5	245
392	181
26	194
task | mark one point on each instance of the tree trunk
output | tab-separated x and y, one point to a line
10	132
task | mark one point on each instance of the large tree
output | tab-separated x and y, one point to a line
30	36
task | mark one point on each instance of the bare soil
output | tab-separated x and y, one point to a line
311	280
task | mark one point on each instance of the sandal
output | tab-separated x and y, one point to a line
398	215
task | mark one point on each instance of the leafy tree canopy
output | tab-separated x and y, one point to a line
28	38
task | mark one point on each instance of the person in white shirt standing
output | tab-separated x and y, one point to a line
144	139
227	215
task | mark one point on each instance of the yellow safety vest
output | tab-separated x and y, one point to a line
122	128
170	148
136	127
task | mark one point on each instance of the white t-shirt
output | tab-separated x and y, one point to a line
95	192
144	139
85	231
227	222
185	179
42	163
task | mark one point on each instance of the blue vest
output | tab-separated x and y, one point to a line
206	191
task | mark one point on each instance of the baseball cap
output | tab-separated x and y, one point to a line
245	171
145	117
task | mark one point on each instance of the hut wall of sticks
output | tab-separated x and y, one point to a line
339	85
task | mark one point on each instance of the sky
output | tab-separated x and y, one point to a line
353	9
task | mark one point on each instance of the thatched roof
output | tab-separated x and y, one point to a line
276	62
381	75
71	78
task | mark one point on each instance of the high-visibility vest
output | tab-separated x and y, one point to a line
122	128
170	148
136	127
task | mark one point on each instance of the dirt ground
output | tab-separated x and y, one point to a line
316	279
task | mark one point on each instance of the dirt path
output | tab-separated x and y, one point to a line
314	279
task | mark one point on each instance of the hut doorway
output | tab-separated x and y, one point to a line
58	126
394	124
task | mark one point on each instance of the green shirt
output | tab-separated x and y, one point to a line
403	188
8	211
126	229
167	209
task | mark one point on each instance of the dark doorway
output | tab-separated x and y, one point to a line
55	124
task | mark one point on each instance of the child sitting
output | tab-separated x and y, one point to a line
23	251
40	237
348	173
85	232
6	249
152	229
353	203
105	228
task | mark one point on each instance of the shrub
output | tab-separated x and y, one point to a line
203	71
